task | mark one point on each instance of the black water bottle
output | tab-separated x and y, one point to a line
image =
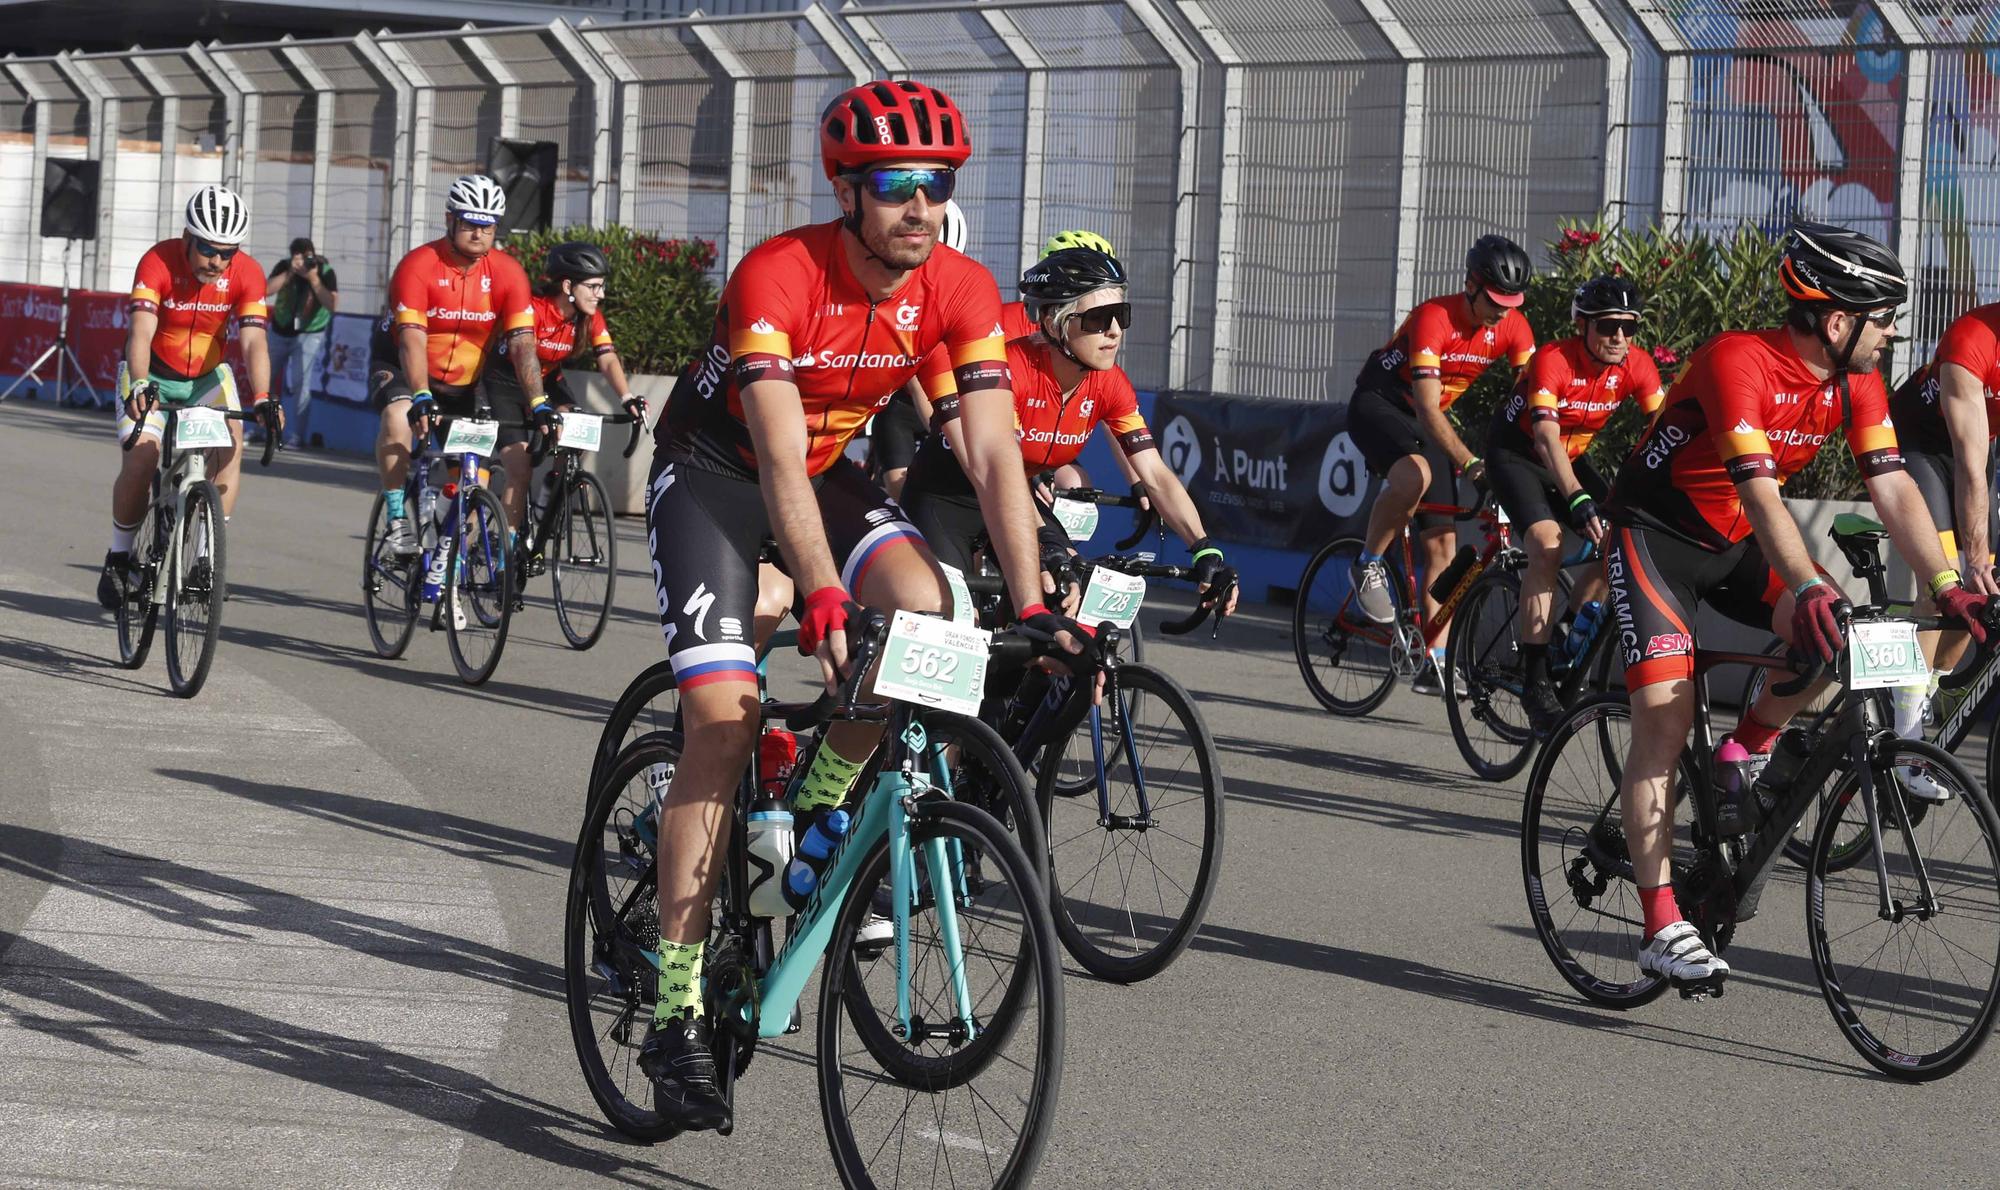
1447	579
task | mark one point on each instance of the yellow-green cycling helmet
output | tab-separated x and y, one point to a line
1077	239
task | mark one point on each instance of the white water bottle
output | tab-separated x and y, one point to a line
770	845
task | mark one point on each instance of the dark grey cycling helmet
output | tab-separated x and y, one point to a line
1826	265
1499	264
575	260
1066	275
1605	294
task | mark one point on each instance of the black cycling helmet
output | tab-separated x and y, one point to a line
1068	274
576	260
1606	294
1501	267
1826	265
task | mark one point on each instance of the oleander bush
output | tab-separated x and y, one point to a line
659	300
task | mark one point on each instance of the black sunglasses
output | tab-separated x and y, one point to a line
898	186
207	249
1613	327
1881	318
1098	319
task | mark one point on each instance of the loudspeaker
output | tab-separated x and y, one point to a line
526	170
69	199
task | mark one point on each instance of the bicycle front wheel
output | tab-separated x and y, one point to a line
1133	855
650	702
1349	662
194	597
390	586
973	1100
478	603
1912	979
1489	721
583	561
137	614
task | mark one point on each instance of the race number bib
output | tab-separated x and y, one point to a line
582	431
961	595
934	663
1884	654
1078	519
201	429
1112	596
471	437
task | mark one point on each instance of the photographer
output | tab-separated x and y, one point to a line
304	295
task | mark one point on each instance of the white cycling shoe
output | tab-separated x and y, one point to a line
1921	785
1677	955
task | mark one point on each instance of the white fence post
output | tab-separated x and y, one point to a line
399	153
739	141
322	137
1410	179
603	101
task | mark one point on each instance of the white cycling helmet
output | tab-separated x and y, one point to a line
952	231
476	198
218	215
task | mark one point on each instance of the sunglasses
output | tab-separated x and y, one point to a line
1611	328
1098	319
898	186
1881	318
208	249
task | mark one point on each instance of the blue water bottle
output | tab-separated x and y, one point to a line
808	864
1582	630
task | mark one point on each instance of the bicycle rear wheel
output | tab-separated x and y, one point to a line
611	925
194	598
1348	662
1914	992
950	1112
390	587
1489	722
1129	889
478	604
583	561
650	702
1574	863
137	614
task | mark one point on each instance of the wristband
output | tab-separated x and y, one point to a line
1468	464
259	399
1809	584
1032	610
422	396
1943	579
1579	498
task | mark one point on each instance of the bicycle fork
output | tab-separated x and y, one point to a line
1888	908
944	901
1143	820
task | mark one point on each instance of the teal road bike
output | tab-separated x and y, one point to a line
939	1053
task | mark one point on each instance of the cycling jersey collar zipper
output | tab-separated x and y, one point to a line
860	353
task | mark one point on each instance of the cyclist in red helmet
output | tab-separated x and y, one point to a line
816	329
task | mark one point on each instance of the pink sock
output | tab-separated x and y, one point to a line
1660	909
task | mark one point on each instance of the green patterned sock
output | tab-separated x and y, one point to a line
392	499
680	982
827	783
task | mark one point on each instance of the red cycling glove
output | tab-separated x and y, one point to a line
1957	603
1816	622
825	613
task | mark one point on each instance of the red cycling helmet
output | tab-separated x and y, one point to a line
891	120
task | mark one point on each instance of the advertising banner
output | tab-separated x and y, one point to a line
1280	474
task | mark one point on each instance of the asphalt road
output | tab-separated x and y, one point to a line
305	930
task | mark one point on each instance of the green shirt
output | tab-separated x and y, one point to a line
295	296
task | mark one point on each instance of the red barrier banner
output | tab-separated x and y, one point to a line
97	323
30	316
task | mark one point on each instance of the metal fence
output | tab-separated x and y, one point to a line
1283	178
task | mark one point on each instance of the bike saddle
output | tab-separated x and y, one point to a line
1860	539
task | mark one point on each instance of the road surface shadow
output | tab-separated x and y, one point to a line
470	838
1373	810
107	1011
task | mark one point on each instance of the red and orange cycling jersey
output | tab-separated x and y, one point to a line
1053	428
1567	385
1014	321
460	308
794	312
194	317
1973	343
1442	341
555	335
1747	407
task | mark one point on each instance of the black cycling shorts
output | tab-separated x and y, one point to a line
1527	490
1658	578
387	386
707	529
953	525
1934	472
895	433
1384	430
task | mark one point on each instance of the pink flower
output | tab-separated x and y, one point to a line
1665	357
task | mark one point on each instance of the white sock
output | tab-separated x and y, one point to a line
122	537
1908	702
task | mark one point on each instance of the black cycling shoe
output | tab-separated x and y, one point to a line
111	583
678	1058
1544	709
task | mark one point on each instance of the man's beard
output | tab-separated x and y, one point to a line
1867	365
894	252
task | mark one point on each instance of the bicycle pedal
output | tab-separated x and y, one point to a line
1702	989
